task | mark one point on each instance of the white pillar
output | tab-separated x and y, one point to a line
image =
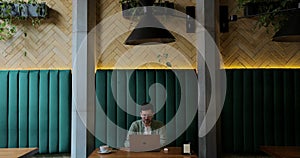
83	78
205	14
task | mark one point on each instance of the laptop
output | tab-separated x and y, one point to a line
141	143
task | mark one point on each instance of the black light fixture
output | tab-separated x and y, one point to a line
290	31
149	30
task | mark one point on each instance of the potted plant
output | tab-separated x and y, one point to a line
269	12
19	9
7	10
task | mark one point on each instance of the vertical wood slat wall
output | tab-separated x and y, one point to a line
262	107
138	84
35	110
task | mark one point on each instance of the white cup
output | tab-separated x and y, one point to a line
103	148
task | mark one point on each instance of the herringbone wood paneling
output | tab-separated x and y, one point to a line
49	45
181	54
45	46
246	46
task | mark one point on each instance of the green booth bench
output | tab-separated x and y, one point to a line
35	110
116	88
262	108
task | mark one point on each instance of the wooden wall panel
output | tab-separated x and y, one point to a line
49	45
245	46
46	46
117	55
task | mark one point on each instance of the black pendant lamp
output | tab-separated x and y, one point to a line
149	30
290	31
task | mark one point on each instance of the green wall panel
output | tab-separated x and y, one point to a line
261	108
3	109
297	107
13	110
258	107
248	110
268	107
111	111
33	126
238	110
121	99
36	109
227	114
65	96
170	104
278	107
100	105
132	87
289	108
180	99
44	112
53	111
23	108
131	96
160	96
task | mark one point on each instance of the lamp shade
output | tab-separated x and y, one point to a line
290	31
149	31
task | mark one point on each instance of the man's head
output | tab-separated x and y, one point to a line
147	113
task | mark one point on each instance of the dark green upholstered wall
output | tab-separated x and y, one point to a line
138	84
262	107
35	110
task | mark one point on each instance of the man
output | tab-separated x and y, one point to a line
147	125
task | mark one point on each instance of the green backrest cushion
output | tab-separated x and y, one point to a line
35	110
138	84
262	107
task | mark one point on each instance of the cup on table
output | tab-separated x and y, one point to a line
104	148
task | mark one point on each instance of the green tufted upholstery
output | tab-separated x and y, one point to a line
262	107
35	110
138	84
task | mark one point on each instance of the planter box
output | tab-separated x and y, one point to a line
23	10
167	5
129	11
39	10
8	10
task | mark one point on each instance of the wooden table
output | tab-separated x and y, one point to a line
172	152
17	152
282	151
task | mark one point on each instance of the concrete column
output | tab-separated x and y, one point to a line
83	78
205	14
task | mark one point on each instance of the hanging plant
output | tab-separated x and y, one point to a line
22	10
269	12
7	30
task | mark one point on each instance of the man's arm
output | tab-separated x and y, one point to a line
132	130
163	138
